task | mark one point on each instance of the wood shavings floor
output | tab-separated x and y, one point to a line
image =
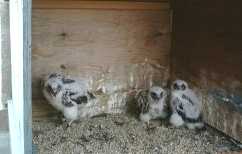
125	134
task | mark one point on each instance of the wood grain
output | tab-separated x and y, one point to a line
42	111
206	51
92	42
116	5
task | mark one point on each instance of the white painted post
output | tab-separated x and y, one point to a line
20	108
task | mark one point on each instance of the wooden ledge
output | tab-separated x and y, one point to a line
113	5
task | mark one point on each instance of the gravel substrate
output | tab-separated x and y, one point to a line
124	134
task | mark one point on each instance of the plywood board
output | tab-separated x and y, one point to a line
206	52
130	47
43	111
115	5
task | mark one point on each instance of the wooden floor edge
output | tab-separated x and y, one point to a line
113	5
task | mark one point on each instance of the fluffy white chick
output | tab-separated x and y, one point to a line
185	105
71	110
70	96
152	103
52	88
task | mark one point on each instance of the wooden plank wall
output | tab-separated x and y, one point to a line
90	42
207	51
101	4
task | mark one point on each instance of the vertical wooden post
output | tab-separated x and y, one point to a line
5	61
20	108
5	76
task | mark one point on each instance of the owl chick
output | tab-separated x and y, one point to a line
67	95
70	110
185	105
152	103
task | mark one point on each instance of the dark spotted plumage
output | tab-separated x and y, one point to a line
176	101
52	91
80	100
91	95
65	101
69	95
142	100
53	75
187	98
72	93
180	110
67	81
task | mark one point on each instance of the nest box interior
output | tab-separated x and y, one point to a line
142	43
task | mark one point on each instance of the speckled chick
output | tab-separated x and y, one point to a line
185	105
152	103
70	96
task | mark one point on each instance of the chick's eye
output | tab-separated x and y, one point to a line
175	86
183	87
154	96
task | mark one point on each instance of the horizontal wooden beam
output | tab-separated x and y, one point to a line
114	5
